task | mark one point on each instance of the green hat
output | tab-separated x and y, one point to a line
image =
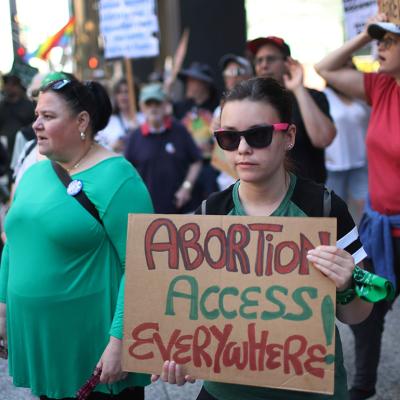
54	76
153	91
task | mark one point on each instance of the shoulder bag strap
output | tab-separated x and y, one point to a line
204	207
81	196
327	203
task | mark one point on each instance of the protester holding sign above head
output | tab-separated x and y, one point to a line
345	157
315	129
380	225
256	135
63	263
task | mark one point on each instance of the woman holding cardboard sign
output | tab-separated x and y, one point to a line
380	225
63	263
256	136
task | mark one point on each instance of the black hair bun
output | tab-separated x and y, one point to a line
103	107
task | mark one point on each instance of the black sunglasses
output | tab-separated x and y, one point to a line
258	137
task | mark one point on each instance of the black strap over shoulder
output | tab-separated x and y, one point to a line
81	196
327	206
204	207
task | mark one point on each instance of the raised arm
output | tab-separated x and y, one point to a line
320	129
332	67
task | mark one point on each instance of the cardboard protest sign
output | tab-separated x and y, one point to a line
233	299
392	10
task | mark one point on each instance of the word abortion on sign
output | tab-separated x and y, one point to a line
222	295
129	28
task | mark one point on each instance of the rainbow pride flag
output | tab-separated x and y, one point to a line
59	39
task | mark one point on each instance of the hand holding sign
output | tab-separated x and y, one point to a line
173	373
335	263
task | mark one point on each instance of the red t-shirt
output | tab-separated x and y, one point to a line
383	143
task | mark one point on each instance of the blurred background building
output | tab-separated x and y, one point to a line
311	27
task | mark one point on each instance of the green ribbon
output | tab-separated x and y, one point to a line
371	287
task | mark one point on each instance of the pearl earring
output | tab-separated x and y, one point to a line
83	135
290	146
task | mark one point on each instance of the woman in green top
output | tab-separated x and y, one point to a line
256	134
62	268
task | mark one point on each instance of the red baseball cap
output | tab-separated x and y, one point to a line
254	45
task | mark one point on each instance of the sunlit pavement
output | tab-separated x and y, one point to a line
388	378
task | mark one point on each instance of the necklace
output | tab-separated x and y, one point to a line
78	163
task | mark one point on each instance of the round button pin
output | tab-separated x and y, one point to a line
74	187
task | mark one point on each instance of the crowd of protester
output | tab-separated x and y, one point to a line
169	158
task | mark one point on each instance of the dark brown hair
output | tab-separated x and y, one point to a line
268	91
90	96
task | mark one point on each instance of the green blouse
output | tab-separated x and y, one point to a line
61	272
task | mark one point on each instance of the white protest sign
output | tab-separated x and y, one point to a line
356	14
129	28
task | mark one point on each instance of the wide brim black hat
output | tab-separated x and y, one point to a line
199	71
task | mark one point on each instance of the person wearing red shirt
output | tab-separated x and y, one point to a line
380	225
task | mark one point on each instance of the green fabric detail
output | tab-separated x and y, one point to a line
62	273
345	296
238	208
285	209
371	287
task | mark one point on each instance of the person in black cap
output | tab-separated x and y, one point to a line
234	70
380	225
315	129
196	113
